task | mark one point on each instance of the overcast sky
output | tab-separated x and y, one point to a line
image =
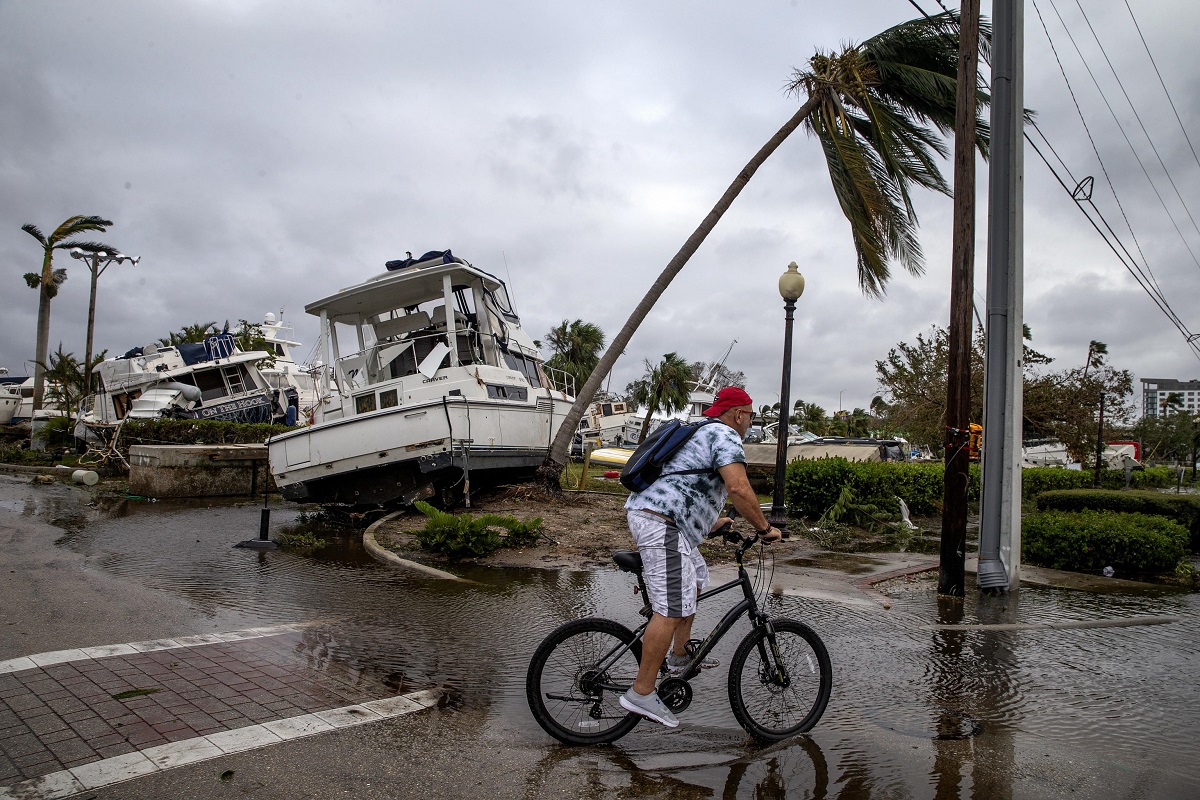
260	155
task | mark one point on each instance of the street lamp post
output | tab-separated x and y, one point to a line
97	262
791	286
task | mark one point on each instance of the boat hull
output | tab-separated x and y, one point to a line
402	454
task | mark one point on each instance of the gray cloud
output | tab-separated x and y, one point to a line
259	155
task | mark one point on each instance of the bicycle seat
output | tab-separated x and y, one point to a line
628	560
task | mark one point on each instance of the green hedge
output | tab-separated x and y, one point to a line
1089	541
1182	508
812	486
193	431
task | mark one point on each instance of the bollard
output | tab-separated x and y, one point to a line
84	476
264	524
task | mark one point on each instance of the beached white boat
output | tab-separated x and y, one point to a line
10	397
438	388
207	380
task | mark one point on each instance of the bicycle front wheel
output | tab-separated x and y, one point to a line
576	678
780	682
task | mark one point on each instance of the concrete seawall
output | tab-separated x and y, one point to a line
198	470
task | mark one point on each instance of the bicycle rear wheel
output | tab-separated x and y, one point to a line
780	683
574	685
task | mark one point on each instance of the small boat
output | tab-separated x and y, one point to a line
10	396
429	384
212	379
611	456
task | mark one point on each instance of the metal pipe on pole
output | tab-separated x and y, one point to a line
1000	506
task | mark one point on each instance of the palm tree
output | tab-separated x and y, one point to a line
1172	401
665	387
879	110
576	347
49	279
190	334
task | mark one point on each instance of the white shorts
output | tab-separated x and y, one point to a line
672	567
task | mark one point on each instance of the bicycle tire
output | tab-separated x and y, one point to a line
561	684
771	711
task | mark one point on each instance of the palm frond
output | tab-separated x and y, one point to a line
34	231
77	225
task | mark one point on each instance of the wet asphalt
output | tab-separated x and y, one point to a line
918	710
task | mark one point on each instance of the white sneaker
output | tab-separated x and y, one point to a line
650	706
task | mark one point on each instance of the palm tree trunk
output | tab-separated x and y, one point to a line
43	330
557	457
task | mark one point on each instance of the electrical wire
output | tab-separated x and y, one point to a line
1081	194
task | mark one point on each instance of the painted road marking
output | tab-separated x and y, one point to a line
98	774
38	660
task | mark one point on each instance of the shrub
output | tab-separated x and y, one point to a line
461	535
814	486
1182	508
1088	541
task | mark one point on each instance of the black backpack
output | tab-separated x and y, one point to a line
645	466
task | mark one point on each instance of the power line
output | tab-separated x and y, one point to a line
1182	127
1080	192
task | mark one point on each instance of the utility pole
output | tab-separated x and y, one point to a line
1000	502
952	568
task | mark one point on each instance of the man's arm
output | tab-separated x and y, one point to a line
742	495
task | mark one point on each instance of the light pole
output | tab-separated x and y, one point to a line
97	262
791	286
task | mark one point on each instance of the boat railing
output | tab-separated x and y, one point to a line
560	380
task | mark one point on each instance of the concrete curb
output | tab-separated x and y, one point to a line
388	557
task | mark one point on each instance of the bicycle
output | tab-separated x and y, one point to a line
779	681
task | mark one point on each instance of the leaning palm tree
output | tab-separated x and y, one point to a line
576	347
880	110
665	387
49	279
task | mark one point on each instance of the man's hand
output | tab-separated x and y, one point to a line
720	523
773	534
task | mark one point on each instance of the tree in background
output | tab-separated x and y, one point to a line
811	417
879	110
190	334
1058	405
49	279
65	379
576	347
664	387
912	382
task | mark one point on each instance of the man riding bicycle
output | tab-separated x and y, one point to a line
668	521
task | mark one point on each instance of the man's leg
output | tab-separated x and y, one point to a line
655	643
682	633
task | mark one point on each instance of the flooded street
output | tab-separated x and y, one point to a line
918	709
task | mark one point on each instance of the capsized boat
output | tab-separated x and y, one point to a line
212	379
438	386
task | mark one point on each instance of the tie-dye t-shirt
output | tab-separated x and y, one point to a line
694	501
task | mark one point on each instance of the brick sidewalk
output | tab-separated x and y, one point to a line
64	715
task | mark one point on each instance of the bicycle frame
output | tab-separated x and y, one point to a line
748	604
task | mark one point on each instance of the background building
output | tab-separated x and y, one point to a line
1157	396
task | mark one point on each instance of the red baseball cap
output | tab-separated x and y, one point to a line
727	398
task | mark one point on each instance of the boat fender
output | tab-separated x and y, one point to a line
189	392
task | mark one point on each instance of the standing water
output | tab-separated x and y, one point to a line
927	700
